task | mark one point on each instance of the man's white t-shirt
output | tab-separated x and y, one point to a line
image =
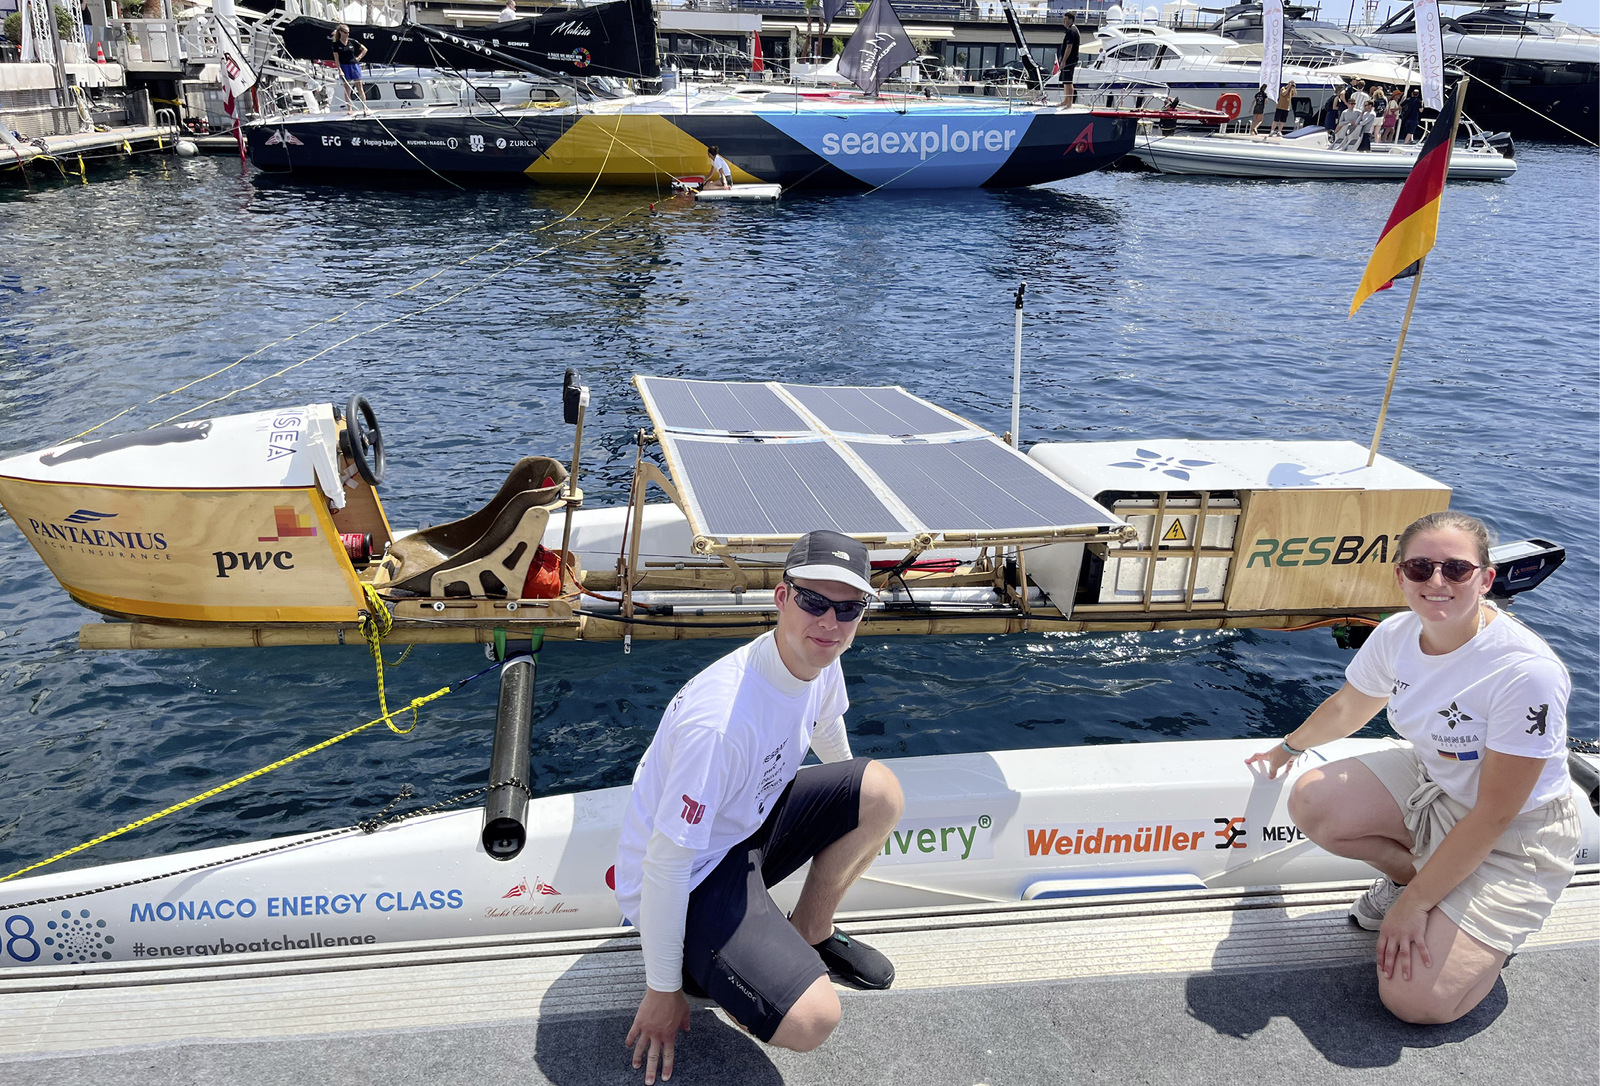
727	746
1504	691
720	167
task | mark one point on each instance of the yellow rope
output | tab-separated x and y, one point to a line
375	627
415	704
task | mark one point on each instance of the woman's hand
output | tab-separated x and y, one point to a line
1404	930
1274	761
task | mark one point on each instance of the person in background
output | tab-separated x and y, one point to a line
509	12
1358	95
1390	123
1067	56
1280	115
1348	134
1473	826
721	810
1258	108
721	174
1331	111
1411	115
1368	125
348	57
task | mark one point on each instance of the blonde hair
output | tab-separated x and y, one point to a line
1449	520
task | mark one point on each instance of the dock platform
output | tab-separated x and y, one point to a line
71	153
1266	986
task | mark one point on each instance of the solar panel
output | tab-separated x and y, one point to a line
738	407
856	460
968	486
893	412
741	488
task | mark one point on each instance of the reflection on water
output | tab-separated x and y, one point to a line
1154	309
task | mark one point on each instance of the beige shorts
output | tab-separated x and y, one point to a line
1509	896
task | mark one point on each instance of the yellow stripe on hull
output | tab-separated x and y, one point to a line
626	149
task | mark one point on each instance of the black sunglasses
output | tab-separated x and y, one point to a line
815	603
1455	570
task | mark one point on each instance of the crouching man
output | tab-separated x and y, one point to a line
721	810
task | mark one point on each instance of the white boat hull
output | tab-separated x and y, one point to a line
987	827
1255	156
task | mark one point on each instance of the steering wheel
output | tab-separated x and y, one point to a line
362	434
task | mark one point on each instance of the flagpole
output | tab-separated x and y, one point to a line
1416	284
1394	367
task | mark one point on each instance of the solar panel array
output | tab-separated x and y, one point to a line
781	460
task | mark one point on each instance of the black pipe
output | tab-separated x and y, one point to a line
505	811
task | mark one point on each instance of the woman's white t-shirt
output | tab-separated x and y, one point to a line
1504	690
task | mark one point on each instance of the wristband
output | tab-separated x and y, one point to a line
1284	743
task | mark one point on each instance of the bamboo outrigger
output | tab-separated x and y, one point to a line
267	529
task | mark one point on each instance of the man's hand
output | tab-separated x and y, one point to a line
654	1033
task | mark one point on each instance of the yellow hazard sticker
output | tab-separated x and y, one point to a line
1175	534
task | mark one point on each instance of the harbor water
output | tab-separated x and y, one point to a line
1156	308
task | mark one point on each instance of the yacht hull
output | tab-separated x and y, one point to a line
848	147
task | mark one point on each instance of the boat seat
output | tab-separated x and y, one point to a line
488	552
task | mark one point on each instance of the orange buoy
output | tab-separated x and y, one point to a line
1231	104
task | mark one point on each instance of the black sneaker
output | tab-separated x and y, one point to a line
854	962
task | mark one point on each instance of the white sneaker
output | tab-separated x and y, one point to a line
1370	907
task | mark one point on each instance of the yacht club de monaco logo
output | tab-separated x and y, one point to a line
527	889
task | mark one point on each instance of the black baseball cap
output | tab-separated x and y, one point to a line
828	556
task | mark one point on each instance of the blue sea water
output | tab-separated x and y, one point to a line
1156	307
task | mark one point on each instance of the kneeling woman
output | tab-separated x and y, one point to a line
1474	826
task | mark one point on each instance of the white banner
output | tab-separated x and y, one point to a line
1430	53
1272	47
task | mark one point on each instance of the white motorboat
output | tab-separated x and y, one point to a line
1306	155
1141	64
1543	75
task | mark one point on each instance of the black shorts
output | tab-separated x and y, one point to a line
738	946
1279	116
1067	73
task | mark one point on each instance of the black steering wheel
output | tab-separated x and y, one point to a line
362	435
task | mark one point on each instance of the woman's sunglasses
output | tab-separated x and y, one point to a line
815	603
1455	570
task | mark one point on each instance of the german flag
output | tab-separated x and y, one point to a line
1414	222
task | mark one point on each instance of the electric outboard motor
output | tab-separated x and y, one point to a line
1523	565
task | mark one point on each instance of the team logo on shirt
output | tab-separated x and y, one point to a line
693	812
1459	756
1454	715
1538	717
1398	686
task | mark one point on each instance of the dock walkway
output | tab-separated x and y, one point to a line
1186	987
70	152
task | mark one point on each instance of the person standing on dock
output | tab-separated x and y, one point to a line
348	57
509	12
1067	57
721	810
1258	108
1473	826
